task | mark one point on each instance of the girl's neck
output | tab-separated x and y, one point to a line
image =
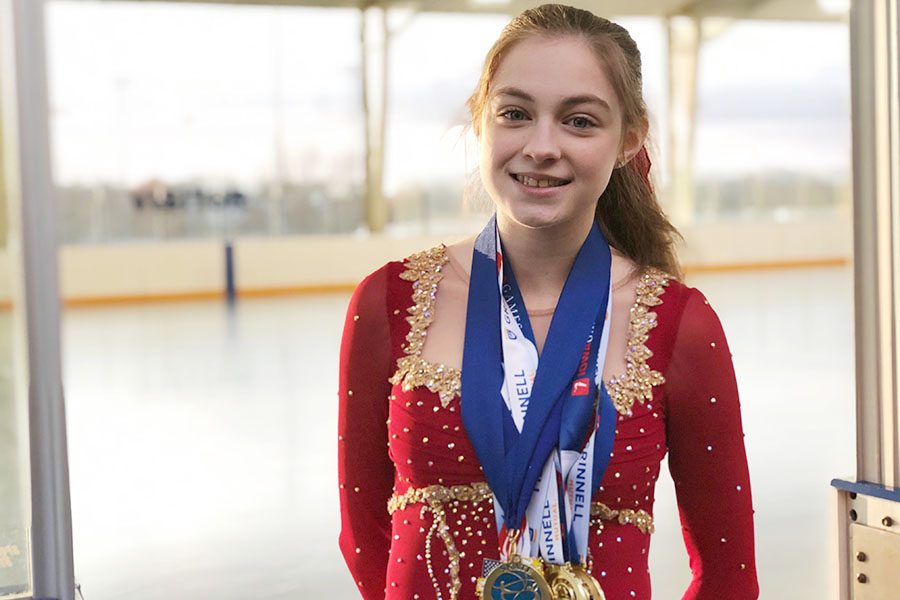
541	258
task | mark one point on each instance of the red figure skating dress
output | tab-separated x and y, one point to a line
417	515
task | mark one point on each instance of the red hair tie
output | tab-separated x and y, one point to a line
641	163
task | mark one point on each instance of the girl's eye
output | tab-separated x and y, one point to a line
582	122
513	111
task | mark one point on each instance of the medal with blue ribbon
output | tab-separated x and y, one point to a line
542	429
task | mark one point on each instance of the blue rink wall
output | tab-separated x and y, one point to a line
269	265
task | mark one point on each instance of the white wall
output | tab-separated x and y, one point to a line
311	261
144	270
141	269
735	244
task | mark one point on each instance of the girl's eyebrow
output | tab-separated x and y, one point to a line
566	103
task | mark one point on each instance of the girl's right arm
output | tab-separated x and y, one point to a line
365	471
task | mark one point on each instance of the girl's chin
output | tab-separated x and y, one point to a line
535	217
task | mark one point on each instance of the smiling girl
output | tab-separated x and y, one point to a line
505	401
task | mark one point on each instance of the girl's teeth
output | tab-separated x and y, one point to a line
538	183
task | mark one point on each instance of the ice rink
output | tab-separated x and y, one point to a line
202	441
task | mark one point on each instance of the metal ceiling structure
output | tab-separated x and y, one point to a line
780	10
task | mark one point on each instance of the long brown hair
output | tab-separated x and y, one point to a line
627	211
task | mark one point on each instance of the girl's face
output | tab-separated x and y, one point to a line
550	134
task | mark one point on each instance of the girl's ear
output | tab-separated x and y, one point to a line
633	140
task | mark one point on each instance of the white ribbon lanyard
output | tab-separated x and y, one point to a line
542	533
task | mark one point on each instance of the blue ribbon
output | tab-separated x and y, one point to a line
512	461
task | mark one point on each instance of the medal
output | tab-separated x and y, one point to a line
532	579
517	580
572	582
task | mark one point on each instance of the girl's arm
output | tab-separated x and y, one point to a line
707	458
365	471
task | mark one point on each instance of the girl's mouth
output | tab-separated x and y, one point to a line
531	182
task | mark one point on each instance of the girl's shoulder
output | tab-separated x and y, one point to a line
676	299
392	284
682	317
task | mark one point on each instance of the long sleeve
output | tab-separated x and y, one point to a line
365	471
707	458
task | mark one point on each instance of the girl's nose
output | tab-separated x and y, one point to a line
541	144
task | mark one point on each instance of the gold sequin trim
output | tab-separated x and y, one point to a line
413	371
639	518
637	383
424	270
434	497
476	492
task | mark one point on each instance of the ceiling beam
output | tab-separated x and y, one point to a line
799	10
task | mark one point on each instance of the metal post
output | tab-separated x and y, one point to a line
869	508
30	179
876	155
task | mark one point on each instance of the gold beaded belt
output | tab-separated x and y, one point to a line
639	518
476	492
433	498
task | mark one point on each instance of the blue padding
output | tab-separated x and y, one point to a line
230	292
867	489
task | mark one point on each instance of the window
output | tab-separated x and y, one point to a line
253	127
773	123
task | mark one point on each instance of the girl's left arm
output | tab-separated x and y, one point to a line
707	459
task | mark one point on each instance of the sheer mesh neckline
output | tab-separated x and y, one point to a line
461	273
538	312
424	269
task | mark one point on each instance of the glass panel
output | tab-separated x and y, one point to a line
773	126
14	563
15	578
430	180
255	130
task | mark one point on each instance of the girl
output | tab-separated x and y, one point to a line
505	401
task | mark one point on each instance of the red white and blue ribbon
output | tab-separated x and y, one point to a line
542	428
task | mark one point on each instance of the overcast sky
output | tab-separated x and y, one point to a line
142	90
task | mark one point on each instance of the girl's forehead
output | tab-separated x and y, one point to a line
549	70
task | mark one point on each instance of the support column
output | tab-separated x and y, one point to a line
869	507
684	36
876	245
29	188
374	44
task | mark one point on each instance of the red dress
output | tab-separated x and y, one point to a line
417	517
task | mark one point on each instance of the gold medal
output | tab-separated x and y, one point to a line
531	579
516	579
572	582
